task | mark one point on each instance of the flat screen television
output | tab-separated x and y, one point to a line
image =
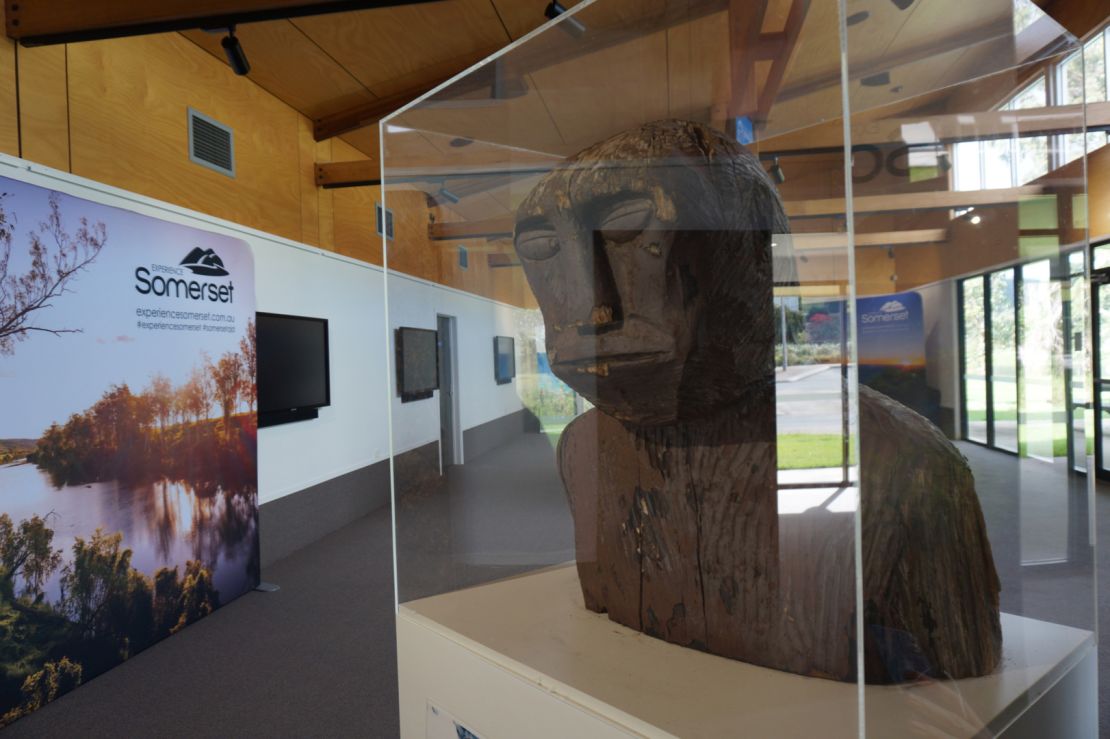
504	359
294	378
417	363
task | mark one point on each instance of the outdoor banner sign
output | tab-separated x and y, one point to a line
891	340
128	481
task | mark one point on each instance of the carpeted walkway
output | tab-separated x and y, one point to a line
318	657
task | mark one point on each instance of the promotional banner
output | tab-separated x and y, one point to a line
128	484
891	335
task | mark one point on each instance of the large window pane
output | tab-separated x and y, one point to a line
998	163
1042	350
1071	80
1003	360
1032	158
1032	96
1094	60
975	359
966	158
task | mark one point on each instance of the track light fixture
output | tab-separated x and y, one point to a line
236	57
447	195
776	171
882	79
571	25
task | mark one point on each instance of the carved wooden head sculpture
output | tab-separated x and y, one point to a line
650	256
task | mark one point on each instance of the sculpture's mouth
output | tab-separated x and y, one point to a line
631	342
617	358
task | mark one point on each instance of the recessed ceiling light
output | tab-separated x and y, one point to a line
860	17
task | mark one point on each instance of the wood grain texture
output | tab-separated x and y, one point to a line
649	254
9	117
128	102
44	106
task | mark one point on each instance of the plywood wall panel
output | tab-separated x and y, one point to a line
9	118
44	105
128	101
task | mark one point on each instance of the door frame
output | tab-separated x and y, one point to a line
447	339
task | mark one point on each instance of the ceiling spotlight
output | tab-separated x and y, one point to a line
447	195
460	142
236	57
776	171
856	18
902	4
976	220
882	79
571	25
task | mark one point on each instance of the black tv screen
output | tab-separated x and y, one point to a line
504	359
293	371
417	363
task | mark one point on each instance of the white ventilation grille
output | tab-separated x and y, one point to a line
211	144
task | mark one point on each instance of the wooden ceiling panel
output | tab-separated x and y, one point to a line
597	95
290	66
379	47
521	122
698	78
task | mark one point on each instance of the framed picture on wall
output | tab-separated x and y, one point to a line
504	359
417	363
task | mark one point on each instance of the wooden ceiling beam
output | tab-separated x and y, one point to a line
745	23
43	22
359	173
794	21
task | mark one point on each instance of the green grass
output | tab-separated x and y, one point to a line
808	451
796	451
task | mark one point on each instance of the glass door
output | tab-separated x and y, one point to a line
1100	307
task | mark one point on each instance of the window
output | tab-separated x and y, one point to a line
1000	163
1085	71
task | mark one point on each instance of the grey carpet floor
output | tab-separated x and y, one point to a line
318	657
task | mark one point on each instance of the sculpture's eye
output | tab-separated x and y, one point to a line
625	220
537	244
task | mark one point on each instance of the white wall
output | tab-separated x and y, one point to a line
416	304
304	280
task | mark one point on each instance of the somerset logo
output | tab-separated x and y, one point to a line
891	306
204	262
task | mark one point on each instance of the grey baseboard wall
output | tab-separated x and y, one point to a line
294	521
297	520
492	434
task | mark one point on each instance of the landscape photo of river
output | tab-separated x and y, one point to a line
128	436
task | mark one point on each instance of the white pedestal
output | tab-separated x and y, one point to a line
522	659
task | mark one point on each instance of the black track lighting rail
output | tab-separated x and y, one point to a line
45	22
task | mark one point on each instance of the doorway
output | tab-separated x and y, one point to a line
450	435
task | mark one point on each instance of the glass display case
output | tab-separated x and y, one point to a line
797	436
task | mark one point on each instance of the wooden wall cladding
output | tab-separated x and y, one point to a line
44	105
9	117
115	112
128	108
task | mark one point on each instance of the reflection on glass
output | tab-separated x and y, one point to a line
975	359
1042	348
1077	304
1003	360
998	159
